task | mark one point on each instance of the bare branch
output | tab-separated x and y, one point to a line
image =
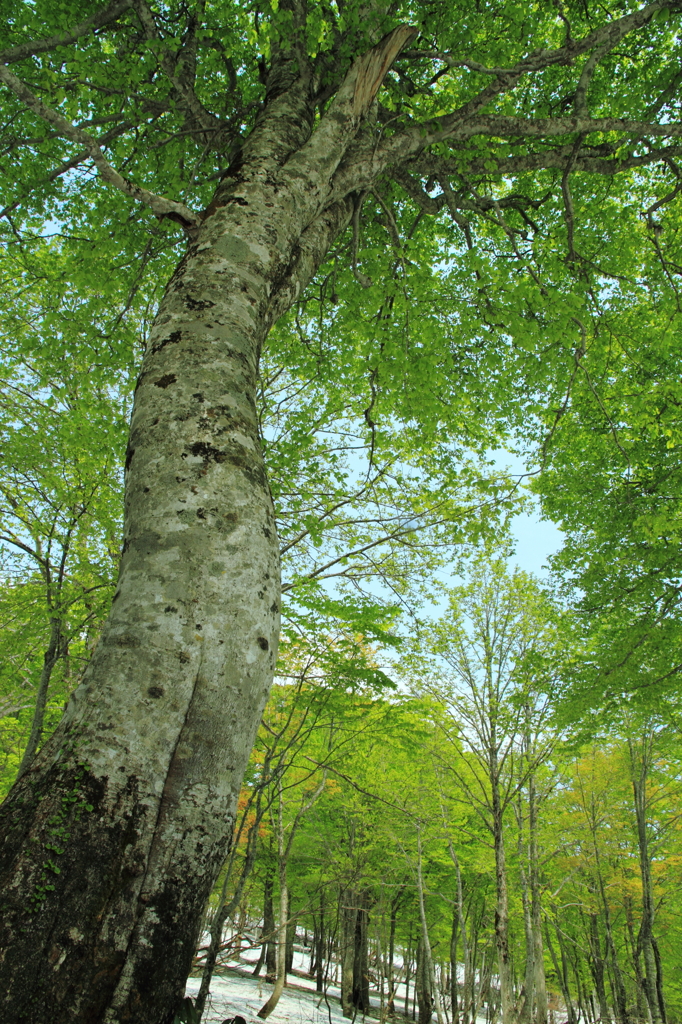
580	99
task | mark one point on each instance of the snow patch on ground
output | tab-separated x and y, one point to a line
236	992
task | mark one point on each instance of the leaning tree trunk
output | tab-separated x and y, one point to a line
110	843
112	839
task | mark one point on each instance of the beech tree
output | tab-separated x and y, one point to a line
287	149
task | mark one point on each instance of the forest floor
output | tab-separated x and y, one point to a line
236	991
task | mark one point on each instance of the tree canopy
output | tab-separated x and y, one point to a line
347	249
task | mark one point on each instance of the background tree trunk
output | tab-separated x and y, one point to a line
50	659
347	952
502	914
422	984
640	762
361	956
597	968
280	980
320	948
269	928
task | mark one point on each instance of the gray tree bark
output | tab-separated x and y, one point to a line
137	788
111	841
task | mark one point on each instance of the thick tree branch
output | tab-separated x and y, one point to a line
160	206
603	38
466	120
513	127
353	99
363	163
312	250
95	21
589	160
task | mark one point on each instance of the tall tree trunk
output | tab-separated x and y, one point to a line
525	1012
291	938
280	980
454	1001
281	974
459	928
484	973
395	903
597	968
659	980
138	785
643	1011
407	954
540	982
562	975
617	982
524	1009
